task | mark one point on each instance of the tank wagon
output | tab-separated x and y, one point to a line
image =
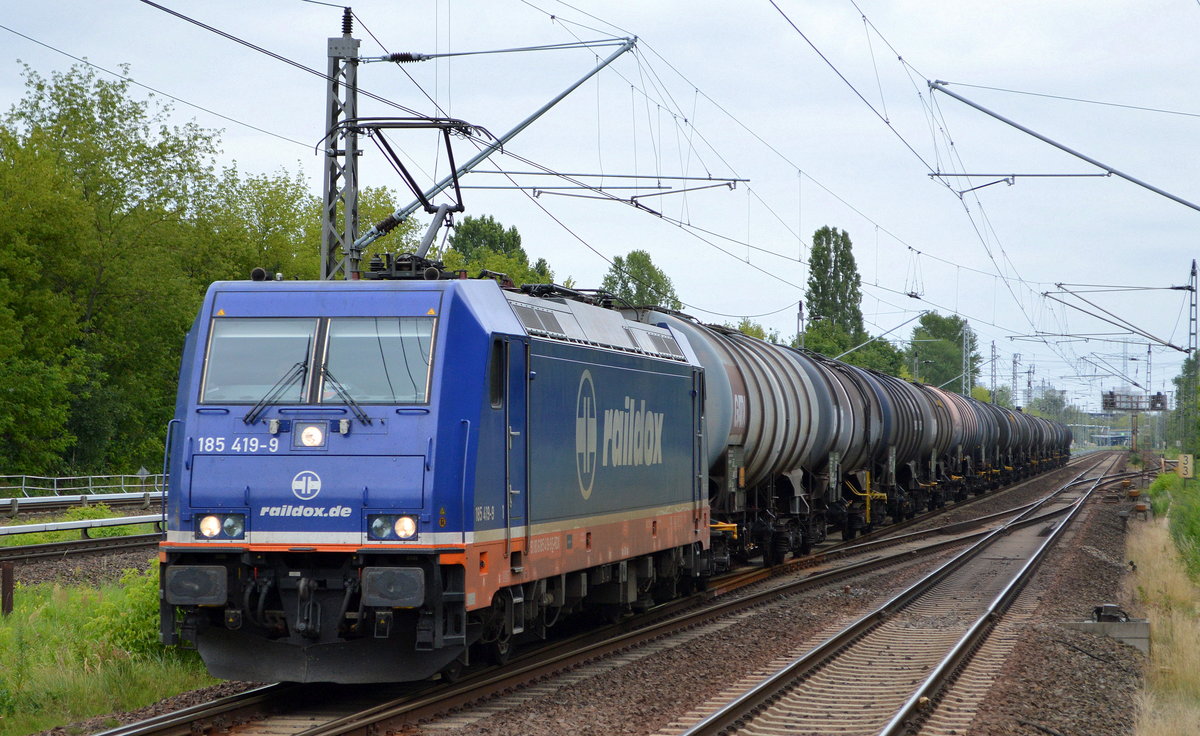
378	480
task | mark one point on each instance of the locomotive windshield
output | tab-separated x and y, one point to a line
249	356
380	360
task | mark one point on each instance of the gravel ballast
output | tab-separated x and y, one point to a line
1058	680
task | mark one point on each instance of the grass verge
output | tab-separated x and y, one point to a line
71	653
1170	700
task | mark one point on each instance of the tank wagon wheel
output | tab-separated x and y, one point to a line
781	544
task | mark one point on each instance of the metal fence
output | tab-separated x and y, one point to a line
31	486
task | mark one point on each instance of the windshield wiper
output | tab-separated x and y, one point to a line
345	396
288	379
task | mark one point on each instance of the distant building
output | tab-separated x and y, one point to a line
1113	439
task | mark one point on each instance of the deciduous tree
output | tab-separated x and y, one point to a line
834	292
639	282
935	355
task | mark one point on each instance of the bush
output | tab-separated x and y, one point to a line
73	652
1185	527
129	623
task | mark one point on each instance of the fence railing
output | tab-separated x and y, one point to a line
59	526
30	486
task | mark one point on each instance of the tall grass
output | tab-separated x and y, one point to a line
1179	500
1161	491
1170	702
70	653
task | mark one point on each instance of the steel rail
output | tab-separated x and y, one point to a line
188	721
763	693
944	673
78	546
545	662
556	657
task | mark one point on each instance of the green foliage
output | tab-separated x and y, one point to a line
635	279
830	340
1185	524
749	327
78	513
71	653
1164	487
936	352
482	244
1003	397
113	223
129	623
1183	424
513	266
473	235
1180	501
834	292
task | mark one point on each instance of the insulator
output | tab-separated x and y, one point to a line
386	225
347	21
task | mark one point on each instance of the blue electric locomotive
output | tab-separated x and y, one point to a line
370	478
373	480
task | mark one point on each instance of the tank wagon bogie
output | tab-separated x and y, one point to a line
380	480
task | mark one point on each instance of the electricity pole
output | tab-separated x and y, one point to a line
995	369
1016	362
341	163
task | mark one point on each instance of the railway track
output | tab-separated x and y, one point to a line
49	550
883	674
558	665
325	710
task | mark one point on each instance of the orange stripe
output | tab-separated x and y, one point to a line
348	548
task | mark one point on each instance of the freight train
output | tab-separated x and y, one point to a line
381	479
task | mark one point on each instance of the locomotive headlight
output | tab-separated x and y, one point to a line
311	435
222	526
210	526
380	527
234	526
391	526
406	527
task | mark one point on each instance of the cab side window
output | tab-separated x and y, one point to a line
496	373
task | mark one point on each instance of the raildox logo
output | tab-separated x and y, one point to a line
585	434
306	485
629	436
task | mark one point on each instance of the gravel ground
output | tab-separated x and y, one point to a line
1059	681
184	700
645	696
1064	681
89	569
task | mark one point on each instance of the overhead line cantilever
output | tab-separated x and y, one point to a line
941	87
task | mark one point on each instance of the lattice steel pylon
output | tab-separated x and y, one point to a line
1016	361
995	369
1189	410
341	163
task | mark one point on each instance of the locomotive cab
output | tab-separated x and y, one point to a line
306	538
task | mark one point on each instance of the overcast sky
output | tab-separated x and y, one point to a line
844	134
